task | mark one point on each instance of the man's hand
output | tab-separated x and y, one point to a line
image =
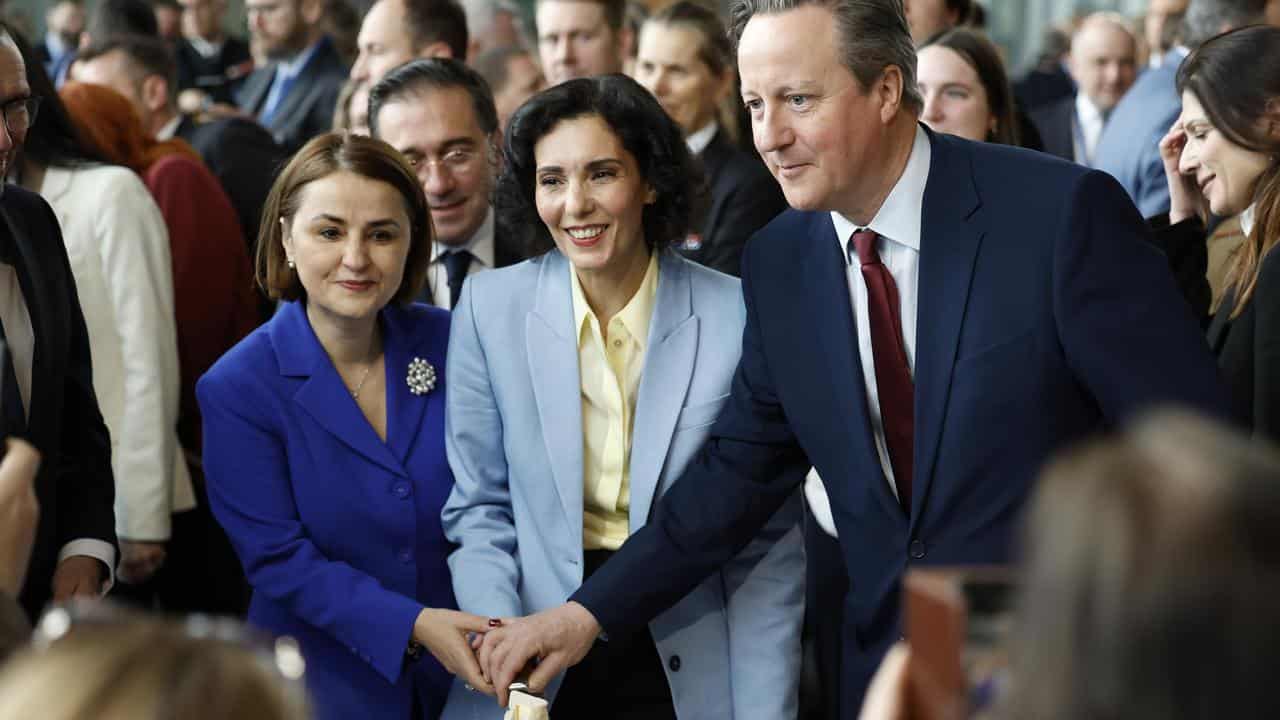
886	697
444	633
557	638
19	512
77	576
139	560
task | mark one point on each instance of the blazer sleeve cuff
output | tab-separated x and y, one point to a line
99	550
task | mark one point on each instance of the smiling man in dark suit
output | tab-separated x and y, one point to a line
46	391
295	95
933	320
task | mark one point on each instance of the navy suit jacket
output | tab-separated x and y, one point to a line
1043	317
339	532
1129	148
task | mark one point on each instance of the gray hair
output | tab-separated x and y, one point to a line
873	36
1207	18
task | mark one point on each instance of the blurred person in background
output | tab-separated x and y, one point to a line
1160	28
686	61
211	64
352	113
295	94
1103	64
214	307
1048	79
119	250
168	19
492	25
965	88
325	443
63	24
513	76
928	18
1146	585
119	666
397	31
581	38
1129	148
239	152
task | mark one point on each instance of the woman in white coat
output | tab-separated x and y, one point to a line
580	384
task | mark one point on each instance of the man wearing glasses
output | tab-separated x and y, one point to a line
440	114
46	386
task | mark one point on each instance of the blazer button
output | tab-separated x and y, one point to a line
401	490
674	663
916	550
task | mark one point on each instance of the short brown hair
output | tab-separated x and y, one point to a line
319	158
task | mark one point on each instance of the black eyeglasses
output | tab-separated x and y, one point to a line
20	113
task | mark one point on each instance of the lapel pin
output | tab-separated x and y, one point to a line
422	377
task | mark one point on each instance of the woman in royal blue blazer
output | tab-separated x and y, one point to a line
581	383
324	438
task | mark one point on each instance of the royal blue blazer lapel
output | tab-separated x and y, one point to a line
323	395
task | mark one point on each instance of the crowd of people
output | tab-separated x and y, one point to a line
401	352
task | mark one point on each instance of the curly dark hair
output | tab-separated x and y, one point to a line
642	126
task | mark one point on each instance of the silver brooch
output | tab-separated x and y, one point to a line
422	377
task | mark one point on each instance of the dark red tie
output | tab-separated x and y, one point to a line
893	375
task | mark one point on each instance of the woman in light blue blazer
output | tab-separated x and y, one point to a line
581	383
324	439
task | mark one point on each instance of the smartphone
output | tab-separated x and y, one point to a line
957	626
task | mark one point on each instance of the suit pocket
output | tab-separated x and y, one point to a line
700	414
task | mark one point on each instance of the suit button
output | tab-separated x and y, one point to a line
406	556
401	490
674	663
916	550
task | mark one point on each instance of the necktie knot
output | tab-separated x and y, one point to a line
864	241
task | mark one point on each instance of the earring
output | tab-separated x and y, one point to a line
289	262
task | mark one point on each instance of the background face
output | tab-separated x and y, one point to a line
384	44
277	27
667	64
927	18
575	40
955	100
1103	62
438	132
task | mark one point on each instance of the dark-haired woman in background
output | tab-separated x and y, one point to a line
119	251
1223	155
966	90
685	60
581	383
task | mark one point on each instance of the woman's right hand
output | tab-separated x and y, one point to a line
445	634
1185	199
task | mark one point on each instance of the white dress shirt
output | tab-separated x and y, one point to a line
482	258
22	347
1086	129
699	140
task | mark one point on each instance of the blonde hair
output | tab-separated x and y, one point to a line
141	668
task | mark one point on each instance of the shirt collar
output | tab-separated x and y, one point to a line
699	140
1246	219
169	129
206	48
634	316
1088	113
899	217
480	244
294	65
53	42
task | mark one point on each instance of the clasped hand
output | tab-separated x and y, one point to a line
488	658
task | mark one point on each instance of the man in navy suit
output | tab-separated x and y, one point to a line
931	322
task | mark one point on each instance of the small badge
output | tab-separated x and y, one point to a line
422	377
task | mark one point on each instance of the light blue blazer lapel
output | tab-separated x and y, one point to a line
668	370
951	231
552	349
404	409
323	396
